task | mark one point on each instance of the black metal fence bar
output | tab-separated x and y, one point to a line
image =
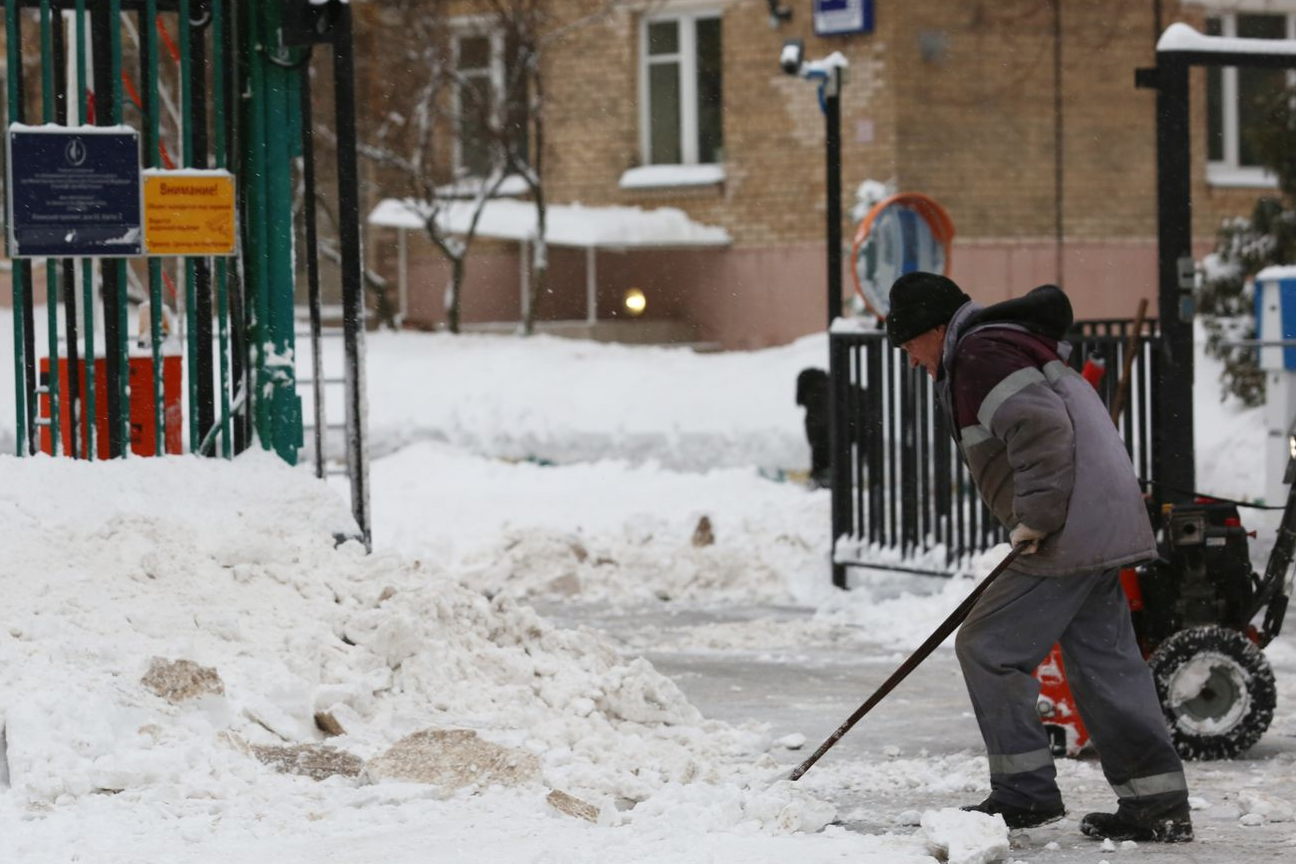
902	497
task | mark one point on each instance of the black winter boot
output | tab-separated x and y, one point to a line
1019	817
1172	827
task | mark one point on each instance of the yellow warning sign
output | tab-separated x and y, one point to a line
189	213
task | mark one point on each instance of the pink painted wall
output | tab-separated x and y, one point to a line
745	298
1103	279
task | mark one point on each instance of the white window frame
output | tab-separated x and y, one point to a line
1228	172
687	59
470	30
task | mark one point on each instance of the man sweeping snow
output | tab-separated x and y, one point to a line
1048	462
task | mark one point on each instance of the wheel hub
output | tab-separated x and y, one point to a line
1211	694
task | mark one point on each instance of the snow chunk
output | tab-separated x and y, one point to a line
964	836
781	809
1269	808
453	758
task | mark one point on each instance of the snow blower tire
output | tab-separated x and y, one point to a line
1216	690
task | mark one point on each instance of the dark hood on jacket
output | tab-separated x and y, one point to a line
1045	310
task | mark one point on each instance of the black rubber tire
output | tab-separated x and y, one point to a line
1231	708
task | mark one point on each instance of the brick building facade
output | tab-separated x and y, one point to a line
1020	116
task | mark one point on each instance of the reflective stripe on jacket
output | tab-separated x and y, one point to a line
1041	447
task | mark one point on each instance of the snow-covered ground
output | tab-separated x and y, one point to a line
639	491
568	401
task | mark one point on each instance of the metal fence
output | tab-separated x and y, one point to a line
208	87
902	499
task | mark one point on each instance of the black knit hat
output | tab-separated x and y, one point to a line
921	302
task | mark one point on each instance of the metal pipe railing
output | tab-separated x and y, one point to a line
13	110
90	436
219	71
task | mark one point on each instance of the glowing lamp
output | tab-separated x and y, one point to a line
635	301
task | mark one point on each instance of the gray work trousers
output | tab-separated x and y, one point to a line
1009	632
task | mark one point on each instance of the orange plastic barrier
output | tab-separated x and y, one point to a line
143	437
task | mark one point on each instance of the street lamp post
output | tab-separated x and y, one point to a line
829	74
831	100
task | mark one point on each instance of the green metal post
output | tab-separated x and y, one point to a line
258	274
51	266
190	265
87	265
12	106
222	272
154	263
285	405
273	112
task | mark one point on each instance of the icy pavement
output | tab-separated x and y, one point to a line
919	750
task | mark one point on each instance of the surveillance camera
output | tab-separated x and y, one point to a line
793	56
778	14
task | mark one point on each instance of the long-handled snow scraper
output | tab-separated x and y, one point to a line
948	626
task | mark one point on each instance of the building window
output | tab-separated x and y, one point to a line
1237	99
484	67
681	89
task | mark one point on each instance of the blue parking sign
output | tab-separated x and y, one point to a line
839	17
74	191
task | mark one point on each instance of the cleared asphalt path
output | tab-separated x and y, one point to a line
920	748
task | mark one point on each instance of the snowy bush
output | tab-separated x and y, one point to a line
1244	247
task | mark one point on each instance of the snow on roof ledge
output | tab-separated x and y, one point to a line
659	176
1273	274
396	213
567	224
1181	37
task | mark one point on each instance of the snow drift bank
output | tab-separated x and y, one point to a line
607	531
233	567
248	583
568	401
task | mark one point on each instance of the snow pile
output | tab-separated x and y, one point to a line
233	567
113	571
607	531
965	837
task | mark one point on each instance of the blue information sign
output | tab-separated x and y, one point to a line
74	192
839	17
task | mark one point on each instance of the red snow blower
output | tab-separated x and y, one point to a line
1194	610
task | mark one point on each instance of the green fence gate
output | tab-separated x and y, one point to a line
215	93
